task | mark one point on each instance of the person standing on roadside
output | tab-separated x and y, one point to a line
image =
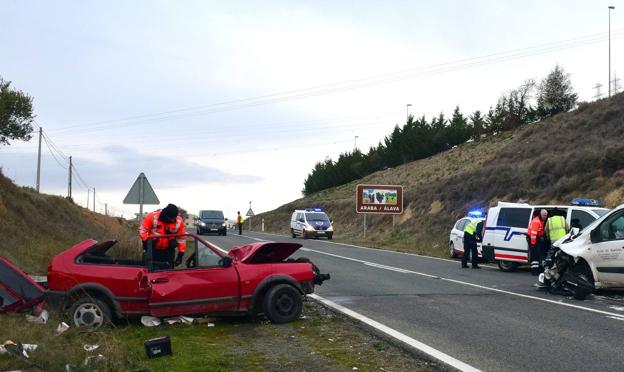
472	235
535	236
555	229
239	222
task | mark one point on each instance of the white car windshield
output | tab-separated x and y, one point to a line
316	217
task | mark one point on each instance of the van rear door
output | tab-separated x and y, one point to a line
507	234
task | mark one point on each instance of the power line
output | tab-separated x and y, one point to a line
45	139
350	84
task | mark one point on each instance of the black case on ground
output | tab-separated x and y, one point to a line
159	346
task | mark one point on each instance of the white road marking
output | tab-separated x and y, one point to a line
382	250
616	317
437	354
373	264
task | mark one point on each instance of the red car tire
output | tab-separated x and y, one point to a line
282	304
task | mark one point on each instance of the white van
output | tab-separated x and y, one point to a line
506	226
311	223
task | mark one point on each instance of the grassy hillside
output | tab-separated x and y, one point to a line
575	154
34	227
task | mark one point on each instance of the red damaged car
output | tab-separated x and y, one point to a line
94	287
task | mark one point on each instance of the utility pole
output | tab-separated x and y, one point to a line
106	209
39	159
69	181
610	8
598	93
88	196
407	112
94	199
355	142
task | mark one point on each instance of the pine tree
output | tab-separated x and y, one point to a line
555	94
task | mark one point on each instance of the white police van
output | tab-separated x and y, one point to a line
506	227
311	223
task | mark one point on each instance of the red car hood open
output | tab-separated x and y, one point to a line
264	252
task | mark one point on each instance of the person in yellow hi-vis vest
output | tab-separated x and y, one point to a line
239	222
556	228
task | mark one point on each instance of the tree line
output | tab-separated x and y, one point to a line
420	138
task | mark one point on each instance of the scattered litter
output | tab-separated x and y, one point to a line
210	325
150	321
303	317
61	328
42	318
180	319
291	336
88	361
330	339
90	347
20	351
355	368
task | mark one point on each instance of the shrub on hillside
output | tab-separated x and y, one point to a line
613	160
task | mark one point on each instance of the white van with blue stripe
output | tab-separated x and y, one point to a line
504	240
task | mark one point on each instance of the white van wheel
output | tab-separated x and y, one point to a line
452	252
507	266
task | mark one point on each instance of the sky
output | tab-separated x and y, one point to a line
225	103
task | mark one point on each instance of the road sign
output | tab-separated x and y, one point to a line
382	199
141	193
250	213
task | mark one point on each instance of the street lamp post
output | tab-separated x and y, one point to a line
610	7
407	112
355	142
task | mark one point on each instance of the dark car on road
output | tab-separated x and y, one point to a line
211	221
94	286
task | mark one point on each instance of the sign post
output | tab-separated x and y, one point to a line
141	193
379	199
250	213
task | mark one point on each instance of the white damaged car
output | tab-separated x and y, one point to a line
589	259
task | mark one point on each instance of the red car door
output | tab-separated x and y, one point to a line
208	287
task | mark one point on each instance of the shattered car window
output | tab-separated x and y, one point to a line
206	257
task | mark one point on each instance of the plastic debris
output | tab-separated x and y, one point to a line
210	325
204	320
62	327
150	321
180	319
90	347
20	351
42	318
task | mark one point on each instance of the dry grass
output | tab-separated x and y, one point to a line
575	154
36	226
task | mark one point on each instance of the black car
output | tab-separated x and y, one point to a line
210	221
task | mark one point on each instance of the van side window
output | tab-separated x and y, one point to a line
612	228
580	219
514	217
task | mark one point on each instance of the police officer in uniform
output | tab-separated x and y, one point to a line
473	233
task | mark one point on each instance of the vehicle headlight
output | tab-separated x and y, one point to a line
202	224
308	226
223	224
330	228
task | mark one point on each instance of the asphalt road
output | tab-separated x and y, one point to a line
491	320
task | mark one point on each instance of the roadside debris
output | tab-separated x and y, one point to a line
89	347
87	362
180	319
156	347
42	318
150	321
61	328
20	351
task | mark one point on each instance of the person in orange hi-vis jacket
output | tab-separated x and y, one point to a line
536	241
164	222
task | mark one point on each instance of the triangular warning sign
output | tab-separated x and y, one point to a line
250	213
141	192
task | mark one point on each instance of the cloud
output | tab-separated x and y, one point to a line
165	168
